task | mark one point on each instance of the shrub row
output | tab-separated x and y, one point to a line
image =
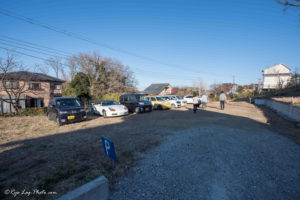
33	111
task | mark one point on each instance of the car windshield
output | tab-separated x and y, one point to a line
178	97
61	103
141	98
159	99
109	103
172	98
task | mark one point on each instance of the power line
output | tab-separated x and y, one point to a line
36	45
33	50
83	38
44	59
25	54
145	71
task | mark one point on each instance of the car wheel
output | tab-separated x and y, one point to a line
58	122
137	110
104	114
173	105
159	107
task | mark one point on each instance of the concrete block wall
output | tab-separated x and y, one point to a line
286	110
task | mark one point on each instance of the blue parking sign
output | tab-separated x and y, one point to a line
109	148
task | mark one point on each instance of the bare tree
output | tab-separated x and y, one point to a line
41	69
105	75
291	3
295	76
55	64
73	67
11	91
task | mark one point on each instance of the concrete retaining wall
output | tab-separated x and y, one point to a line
94	190
286	110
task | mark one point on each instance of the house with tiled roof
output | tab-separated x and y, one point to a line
37	89
158	89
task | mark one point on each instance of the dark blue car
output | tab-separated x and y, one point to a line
64	110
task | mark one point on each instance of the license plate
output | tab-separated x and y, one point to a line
147	109
71	117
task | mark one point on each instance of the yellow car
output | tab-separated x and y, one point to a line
159	103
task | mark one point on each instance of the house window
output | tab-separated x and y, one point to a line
35	103
55	86
35	86
11	85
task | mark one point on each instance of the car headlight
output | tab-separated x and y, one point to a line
111	109
63	112
141	103
125	108
82	110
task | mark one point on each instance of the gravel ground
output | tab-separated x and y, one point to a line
216	162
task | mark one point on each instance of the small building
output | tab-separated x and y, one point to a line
33	89
159	89
276	77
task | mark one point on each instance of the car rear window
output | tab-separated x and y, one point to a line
61	103
141	97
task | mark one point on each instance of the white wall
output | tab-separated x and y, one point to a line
273	82
286	110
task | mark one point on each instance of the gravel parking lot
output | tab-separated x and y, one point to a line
218	153
216	162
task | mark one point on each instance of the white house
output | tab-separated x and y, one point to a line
276	77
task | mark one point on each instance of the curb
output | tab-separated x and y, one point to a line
96	189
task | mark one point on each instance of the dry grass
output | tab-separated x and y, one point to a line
35	153
290	100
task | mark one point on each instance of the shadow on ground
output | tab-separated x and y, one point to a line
64	161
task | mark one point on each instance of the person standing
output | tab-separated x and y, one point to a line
204	100
222	100
195	102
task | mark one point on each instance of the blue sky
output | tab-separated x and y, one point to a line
218	39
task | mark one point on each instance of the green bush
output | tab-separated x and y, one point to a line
236	96
217	98
33	111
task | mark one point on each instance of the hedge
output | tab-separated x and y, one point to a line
33	111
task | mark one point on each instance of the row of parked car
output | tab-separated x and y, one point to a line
66	109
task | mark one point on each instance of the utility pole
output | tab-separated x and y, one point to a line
199	83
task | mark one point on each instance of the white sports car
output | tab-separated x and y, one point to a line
110	109
188	99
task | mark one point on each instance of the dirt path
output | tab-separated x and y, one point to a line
231	158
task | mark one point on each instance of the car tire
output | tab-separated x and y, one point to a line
58	122
173	105
137	110
104	114
159	107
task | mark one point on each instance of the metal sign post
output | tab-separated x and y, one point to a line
109	150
